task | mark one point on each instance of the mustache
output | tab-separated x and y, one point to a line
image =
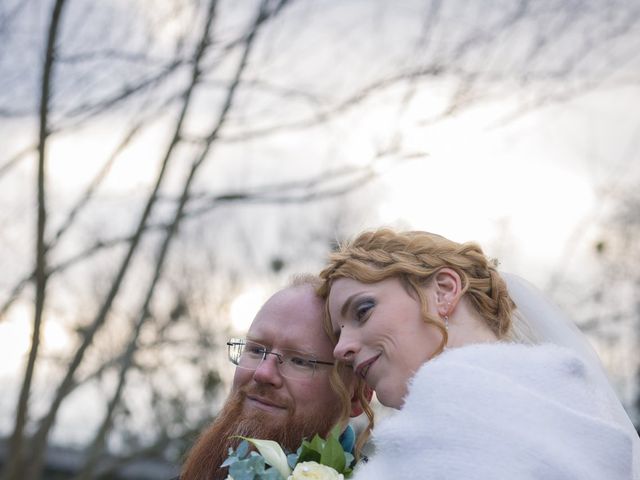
268	393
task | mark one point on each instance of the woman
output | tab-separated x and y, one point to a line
433	328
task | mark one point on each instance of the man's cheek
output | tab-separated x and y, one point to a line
240	379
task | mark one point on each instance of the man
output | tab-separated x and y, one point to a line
281	389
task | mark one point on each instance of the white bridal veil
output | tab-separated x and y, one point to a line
540	321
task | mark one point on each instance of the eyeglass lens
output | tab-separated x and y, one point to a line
291	363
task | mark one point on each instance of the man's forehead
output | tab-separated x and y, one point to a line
289	332
292	319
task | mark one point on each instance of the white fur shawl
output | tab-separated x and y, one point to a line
501	411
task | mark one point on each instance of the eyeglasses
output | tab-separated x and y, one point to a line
291	363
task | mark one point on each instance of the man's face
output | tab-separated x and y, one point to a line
290	320
263	403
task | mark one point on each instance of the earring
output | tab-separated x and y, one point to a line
446	317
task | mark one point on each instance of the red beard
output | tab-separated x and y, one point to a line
211	449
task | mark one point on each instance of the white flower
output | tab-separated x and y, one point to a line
314	471
273	454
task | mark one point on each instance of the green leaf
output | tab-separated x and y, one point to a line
333	454
317	444
336	431
307	453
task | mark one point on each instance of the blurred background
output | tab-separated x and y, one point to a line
165	165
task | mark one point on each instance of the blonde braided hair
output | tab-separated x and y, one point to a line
415	257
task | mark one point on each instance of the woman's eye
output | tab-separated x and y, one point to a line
363	309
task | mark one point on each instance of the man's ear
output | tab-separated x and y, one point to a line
356	405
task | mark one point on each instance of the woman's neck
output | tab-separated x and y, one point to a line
467	326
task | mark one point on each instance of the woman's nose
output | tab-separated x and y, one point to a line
347	346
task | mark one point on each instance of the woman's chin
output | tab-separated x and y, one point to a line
392	398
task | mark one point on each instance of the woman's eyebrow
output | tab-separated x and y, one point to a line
347	304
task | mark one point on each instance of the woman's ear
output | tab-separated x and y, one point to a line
448	290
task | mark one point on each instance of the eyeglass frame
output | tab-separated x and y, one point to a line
308	357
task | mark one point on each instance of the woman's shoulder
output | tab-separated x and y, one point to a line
514	374
529	407
509	359
491	351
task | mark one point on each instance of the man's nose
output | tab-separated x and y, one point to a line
347	347
267	371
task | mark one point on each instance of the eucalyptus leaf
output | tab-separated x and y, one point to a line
271	474
229	461
242	449
292	459
349	458
250	468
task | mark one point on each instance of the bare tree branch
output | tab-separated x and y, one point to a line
14	113
98	443
141	123
13	161
73	213
86	111
614	184
110	54
306	190
95	183
476	40
40	437
329	113
14	468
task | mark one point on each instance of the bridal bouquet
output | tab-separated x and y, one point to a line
318	459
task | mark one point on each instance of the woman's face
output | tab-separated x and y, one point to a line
382	334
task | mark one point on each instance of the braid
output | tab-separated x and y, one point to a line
417	256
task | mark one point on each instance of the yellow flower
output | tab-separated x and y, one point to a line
314	471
